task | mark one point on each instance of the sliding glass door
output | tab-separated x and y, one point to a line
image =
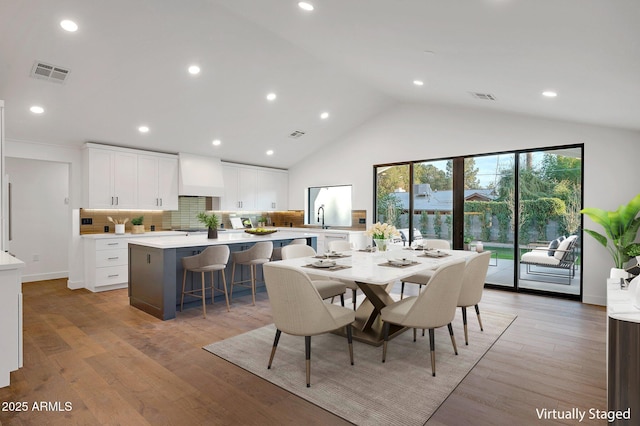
519	205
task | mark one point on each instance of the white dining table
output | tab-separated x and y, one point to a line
375	276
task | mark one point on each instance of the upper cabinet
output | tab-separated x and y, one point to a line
157	182
273	189
111	179
120	178
254	188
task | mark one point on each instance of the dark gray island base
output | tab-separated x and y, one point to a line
155	268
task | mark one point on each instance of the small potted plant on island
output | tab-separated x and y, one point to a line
138	227
211	221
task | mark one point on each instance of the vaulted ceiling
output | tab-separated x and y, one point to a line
354	59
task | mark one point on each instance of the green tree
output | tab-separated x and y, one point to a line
470	173
392	178
557	168
428	173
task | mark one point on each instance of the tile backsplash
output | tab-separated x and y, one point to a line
185	217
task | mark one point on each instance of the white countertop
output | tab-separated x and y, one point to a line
619	303
130	235
196	240
9	262
319	230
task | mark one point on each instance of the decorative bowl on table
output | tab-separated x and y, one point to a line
260	231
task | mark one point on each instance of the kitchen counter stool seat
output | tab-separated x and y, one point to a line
258	254
212	259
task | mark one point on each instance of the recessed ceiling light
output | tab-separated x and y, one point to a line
549	94
271	97
305	6
216	142
68	25
418	82
324	115
270	152
143	129
194	69
36	109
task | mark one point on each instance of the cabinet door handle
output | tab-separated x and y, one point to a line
148	258
160	202
113	258
112	201
112	244
113	275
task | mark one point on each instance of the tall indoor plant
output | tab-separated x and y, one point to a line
211	221
621	228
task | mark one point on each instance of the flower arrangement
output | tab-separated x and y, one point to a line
382	231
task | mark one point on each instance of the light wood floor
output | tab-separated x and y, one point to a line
118	365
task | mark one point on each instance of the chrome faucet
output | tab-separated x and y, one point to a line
321	208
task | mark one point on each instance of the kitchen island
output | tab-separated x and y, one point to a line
155	267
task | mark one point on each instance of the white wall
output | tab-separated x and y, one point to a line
39	217
415	132
72	157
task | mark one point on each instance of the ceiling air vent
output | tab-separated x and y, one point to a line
296	134
52	73
483	96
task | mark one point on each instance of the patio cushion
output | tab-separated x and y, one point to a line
540	257
553	245
560	254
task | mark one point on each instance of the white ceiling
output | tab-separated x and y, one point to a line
352	58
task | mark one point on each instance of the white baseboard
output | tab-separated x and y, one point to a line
45	276
75	285
594	300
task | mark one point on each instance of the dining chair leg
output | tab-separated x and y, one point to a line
432	346
350	341
385	333
224	288
273	349
414	334
402	291
342	300
204	297
464	323
184	281
478	315
453	339
307	355
353	296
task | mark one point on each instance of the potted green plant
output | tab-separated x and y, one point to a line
467	241
211	221
138	227
621	228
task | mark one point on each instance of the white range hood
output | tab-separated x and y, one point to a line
200	176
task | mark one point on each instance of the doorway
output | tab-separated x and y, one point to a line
40	217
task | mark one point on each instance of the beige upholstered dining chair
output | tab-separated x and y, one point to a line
298	309
258	254
475	274
432	308
423	277
212	259
277	251
340	246
326	287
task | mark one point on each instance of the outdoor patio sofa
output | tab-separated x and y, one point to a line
558	254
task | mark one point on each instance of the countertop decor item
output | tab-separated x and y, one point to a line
621	228
211	221
381	234
138	227
119	223
260	231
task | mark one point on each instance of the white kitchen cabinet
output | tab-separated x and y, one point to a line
106	263
10	317
111	179
240	187
273	189
157	182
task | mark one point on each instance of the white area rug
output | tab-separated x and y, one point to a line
401	391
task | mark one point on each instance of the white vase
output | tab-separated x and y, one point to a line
617	273
381	244
120	228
